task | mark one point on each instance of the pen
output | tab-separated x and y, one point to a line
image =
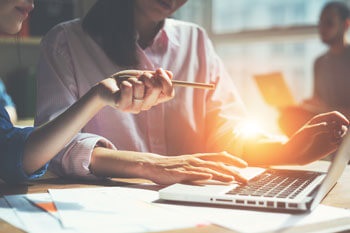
181	83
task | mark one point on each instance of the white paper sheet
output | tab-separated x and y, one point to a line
9	215
323	218
33	218
43	201
108	210
125	209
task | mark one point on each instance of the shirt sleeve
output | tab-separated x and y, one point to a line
12	142
226	115
5	99
57	91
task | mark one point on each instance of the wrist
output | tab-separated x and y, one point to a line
146	166
99	95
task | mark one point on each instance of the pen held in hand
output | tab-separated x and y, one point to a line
193	84
181	83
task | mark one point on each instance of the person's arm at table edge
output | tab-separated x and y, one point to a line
319	137
47	140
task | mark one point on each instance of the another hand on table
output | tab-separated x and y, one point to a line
145	90
188	168
318	138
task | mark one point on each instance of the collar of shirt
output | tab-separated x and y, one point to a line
165	34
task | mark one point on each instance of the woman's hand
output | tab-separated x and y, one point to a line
318	138
139	91
188	168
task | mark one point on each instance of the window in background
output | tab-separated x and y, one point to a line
262	36
263	14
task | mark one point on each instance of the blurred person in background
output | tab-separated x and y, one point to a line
331	72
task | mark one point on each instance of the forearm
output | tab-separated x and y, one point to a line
114	163
47	140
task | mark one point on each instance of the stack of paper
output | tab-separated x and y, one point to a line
137	209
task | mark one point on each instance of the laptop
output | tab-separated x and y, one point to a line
278	189
274	89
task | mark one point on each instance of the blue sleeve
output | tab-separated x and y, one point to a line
5	99
12	142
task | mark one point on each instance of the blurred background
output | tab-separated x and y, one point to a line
251	36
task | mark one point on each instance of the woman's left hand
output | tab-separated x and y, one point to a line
318	138
136	90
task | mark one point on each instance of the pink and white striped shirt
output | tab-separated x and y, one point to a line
194	121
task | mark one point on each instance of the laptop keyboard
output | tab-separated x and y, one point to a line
276	183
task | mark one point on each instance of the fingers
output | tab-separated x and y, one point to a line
224	171
169	73
156	87
126	96
138	95
333	123
224	157
153	91
334	129
215	175
316	129
190	176
330	117
338	131
134	73
168	91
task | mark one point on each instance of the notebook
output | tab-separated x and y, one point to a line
274	89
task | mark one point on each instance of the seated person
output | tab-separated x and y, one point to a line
331	72
7	103
25	152
175	140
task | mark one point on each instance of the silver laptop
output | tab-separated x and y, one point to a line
287	190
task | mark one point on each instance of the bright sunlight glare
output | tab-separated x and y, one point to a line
249	128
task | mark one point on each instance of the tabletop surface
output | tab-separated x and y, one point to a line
338	197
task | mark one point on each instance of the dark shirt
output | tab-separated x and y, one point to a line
12	142
332	79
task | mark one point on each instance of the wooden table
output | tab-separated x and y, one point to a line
338	197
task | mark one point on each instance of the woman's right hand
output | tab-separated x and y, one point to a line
141	91
166	170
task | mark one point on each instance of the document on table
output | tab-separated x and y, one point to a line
34	219
137	209
44	202
9	215
108	210
323	218
326	218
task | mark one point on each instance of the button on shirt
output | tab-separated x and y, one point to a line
194	121
12	141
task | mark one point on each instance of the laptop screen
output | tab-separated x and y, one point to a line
334	171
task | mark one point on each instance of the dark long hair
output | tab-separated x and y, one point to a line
111	24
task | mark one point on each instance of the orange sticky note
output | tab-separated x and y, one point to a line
47	206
